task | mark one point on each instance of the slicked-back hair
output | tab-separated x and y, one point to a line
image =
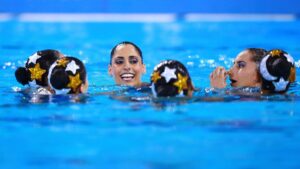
126	43
257	55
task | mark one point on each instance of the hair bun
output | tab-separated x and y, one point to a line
58	79
277	70
22	75
280	67
170	78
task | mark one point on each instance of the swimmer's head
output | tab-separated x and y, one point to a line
68	76
126	65
171	78
245	70
138	50
36	68
277	69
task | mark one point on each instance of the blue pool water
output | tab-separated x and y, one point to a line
103	132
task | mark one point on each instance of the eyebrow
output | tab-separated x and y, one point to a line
119	57
130	57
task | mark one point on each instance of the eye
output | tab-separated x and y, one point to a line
241	64
119	61
133	60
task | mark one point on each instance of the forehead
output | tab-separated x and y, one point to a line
125	50
244	56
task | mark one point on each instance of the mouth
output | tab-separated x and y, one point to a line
232	81
127	77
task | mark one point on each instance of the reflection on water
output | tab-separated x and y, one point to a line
144	95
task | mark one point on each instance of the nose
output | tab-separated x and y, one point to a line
127	66
230	72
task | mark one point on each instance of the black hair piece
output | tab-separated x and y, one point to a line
48	57
59	77
22	75
168	89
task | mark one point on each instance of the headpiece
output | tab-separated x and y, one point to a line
68	65
170	78
278	67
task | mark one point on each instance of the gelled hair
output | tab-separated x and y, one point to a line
45	59
126	43
61	73
256	56
277	70
163	86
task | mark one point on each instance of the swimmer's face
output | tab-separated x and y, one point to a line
126	66
244	72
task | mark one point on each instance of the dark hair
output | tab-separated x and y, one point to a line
165	88
59	75
256	56
47	57
126	43
277	70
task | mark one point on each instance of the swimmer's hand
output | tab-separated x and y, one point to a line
218	78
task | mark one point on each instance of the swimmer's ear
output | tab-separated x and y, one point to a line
144	69
110	71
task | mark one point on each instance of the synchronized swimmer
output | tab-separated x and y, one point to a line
51	72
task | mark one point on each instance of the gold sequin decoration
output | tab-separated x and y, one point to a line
155	77
276	52
181	83
292	76
62	62
36	72
74	82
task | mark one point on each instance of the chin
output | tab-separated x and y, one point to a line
233	85
128	83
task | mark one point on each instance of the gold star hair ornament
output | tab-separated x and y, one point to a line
36	72
292	76
62	62
181	83
155	77
74	82
276	52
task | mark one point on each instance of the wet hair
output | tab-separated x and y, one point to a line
277	69
67	75
36	67
257	55
170	78
125	43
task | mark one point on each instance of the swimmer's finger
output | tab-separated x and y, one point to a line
222	72
218	71
214	73
211	75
